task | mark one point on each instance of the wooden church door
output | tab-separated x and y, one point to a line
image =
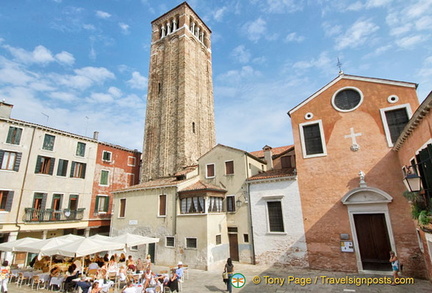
373	240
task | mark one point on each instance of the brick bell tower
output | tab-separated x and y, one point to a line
179	125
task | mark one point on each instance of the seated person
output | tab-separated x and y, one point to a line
130	263
55	272
84	284
95	287
129	288
72	273
140	266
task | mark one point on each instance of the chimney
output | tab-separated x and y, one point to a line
268	156
5	109
96	135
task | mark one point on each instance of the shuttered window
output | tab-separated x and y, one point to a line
78	170
210	170
80	150
14	135
102	202
162	205
6	199
229	168
104	177
62	167
10	160
48	143
44	165
122	211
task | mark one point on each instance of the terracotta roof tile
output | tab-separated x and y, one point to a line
275	173
275	151
203	186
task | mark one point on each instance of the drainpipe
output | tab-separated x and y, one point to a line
24	180
251	225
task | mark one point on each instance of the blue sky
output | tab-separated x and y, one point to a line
82	66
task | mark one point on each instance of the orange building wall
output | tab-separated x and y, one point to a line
323	181
118	179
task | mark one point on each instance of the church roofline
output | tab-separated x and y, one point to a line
417	117
181	4
235	149
352	77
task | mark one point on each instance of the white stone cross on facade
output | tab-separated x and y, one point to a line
354	146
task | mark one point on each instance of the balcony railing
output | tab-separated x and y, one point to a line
50	215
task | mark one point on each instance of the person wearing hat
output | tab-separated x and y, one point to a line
179	270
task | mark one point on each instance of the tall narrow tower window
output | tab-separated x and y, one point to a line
193	127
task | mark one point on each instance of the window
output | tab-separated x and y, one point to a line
104	177
9	160
80	150
286	162
162	205
131	179
229	168
102	202
191	243
275	217
131	161
232	230
395	120
39	201
62	167
218	239
48	143
311	135
57	202
73	202
230	203
190	205
6	198
78	170
347	99
44	165
246	238
215	204
14	135
106	156
169	241
122	211
210	170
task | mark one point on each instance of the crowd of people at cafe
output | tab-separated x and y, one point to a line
97	274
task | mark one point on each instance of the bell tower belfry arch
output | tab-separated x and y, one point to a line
179	125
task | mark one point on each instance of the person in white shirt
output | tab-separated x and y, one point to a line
129	288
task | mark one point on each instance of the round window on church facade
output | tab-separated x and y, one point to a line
347	99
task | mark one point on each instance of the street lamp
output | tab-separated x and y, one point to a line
412	181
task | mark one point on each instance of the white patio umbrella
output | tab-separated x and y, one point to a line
45	244
130	240
83	247
101	237
16	245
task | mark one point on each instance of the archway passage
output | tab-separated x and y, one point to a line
373	240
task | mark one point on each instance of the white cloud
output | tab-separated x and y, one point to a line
293	37
410	42
356	35
283	6
39	55
65	58
255	29
12	73
84	77
63	96
322	62
115	92
124	28
331	30
377	3
424	23
89	27
137	81
100	98
241	54
236	76
103	14
219	13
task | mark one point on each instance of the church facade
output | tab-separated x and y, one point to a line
349	177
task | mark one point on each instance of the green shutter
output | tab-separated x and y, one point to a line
106	204
72	169
97	204
17	161
38	164
83	170
51	170
9	201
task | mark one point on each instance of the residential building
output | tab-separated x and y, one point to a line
349	176
414	150
116	168
278	236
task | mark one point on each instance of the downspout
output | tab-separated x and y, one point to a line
24	180
251	225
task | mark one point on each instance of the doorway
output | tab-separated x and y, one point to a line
233	244
373	241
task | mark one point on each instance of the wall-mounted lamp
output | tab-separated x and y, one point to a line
412	181
238	203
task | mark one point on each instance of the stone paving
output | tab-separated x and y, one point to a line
271	281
